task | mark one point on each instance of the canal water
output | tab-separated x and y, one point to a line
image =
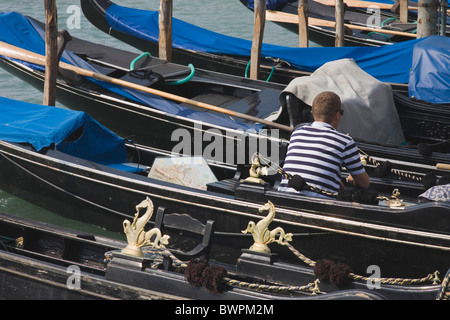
228	17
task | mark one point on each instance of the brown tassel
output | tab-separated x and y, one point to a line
322	269
199	273
339	274
212	279
194	270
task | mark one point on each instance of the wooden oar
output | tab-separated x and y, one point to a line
25	55
443	166
277	16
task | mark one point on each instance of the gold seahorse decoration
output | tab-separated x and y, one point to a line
261	234
136	236
256	170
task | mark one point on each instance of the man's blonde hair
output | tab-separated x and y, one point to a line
325	106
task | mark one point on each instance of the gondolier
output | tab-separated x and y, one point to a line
318	151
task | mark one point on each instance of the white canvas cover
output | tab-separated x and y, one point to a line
370	112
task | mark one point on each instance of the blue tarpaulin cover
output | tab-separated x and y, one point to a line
22	32
44	126
430	73
389	63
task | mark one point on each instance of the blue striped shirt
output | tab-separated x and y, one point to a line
317	152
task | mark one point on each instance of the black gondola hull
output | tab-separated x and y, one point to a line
359	235
45	262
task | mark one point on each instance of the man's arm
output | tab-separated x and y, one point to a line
361	180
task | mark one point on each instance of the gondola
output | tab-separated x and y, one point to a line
82	170
44	262
386	29
58	263
149	118
398	64
160	122
281	64
236	63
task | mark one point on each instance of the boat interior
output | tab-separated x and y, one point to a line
228	92
406	176
396	184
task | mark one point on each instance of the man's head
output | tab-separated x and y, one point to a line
326	106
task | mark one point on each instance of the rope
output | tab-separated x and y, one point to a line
189	77
387	20
307	186
380	34
177	82
156	256
133	63
302	257
248	67
398	281
271	73
444	294
392	170
287	175
312	287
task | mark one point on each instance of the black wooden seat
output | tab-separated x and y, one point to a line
299	111
185	224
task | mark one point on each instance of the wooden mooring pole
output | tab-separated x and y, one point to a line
403	14
339	13
400	7
51	54
443	17
303	34
165	30
258	34
427	18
